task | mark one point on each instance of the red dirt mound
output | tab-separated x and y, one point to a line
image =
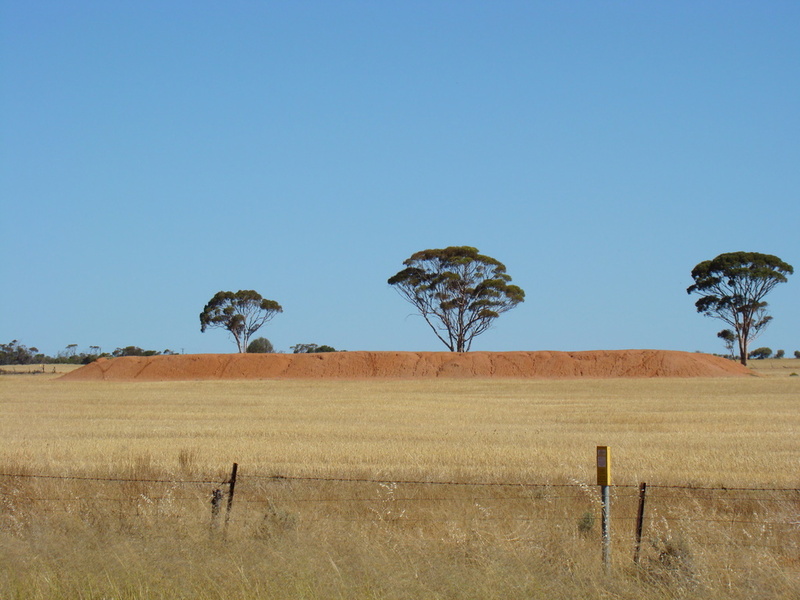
409	365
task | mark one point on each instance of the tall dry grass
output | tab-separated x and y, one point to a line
305	538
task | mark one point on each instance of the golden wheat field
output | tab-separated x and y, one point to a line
398	489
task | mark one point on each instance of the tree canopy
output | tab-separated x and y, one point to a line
136	351
311	348
15	353
241	313
760	353
729	338
732	288
458	291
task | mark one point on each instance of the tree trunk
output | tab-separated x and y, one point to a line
743	350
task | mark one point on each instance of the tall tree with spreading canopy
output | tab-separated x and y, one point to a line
732	288
241	313
458	292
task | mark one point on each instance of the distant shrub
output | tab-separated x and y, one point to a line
136	351
311	348
760	353
797	353
260	346
779	354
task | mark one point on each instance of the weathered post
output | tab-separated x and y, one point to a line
216	503
604	481
640	521
231	489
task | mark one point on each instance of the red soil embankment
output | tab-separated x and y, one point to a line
409	365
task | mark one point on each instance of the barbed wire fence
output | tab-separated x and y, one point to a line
669	529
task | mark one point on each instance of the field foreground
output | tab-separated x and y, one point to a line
363	365
418	488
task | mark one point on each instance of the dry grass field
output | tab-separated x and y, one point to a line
49	370
397	489
776	367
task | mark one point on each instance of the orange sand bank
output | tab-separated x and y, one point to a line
408	365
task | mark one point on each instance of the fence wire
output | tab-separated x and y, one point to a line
681	525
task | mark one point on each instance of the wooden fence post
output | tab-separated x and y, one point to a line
640	521
216	502
231	489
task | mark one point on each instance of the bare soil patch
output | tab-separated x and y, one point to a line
598	364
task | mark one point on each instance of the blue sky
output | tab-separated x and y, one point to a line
154	153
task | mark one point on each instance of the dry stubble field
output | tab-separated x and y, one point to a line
104	532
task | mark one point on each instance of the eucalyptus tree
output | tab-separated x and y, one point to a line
729	338
458	291
241	313
732	288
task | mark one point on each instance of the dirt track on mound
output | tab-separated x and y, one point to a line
599	364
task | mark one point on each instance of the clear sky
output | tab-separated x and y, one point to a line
153	153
